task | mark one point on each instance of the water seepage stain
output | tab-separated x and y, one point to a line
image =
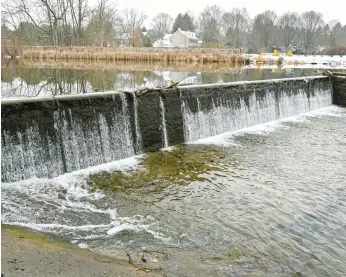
158	170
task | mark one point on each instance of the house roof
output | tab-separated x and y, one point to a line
167	36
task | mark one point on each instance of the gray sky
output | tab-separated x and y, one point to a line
331	9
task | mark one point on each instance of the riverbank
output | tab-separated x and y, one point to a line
189	55
24	253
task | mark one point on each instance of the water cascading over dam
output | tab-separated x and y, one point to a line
47	137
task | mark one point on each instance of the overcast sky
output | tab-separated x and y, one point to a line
331	9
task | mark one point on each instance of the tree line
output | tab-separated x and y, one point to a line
74	23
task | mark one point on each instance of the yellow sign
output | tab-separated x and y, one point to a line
276	53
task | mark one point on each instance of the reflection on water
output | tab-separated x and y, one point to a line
33	82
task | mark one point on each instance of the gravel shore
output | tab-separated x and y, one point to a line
24	253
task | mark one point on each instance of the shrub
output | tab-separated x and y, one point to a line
280	61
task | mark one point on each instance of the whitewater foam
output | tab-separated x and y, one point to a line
67	206
227	139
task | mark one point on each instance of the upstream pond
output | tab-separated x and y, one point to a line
265	201
41	80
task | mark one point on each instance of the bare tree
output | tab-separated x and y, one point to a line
162	23
50	16
79	13
310	22
288	24
60	22
235	25
210	24
102	23
334	28
11	14
130	21
264	27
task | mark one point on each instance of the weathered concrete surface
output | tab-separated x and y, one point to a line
174	119
339	91
149	116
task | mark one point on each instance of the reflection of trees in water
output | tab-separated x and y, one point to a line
31	82
17	81
252	74
130	80
164	77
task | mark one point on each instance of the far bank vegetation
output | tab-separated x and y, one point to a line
100	23
202	55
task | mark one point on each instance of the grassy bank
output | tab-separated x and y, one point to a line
201	56
24	253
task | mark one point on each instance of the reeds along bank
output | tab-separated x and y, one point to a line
135	54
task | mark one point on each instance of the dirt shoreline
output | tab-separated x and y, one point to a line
24	253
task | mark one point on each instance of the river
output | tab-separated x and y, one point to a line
40	81
269	200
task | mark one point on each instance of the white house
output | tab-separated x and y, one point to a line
163	42
182	39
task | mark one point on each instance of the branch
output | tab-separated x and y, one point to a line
31	18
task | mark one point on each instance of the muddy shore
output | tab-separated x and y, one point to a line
24	253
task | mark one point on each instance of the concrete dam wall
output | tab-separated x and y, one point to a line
47	137
339	90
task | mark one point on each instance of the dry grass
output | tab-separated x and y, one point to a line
10	46
119	65
200	56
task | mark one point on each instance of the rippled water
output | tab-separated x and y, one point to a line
264	201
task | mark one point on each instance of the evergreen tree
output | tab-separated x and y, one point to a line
177	23
184	22
187	24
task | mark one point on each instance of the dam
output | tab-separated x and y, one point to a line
47	137
178	174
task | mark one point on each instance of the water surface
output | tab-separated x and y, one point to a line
23	81
264	201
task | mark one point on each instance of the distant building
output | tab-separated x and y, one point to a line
163	42
181	39
184	39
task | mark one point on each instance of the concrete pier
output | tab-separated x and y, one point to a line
339	89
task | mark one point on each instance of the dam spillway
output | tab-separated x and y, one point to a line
45	137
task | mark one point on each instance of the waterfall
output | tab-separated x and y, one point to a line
137	128
23	157
75	141
230	114
47	138
163	125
